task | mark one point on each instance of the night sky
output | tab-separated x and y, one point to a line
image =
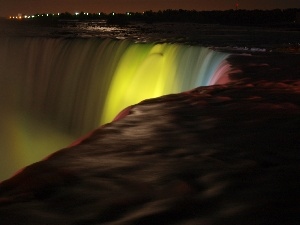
13	7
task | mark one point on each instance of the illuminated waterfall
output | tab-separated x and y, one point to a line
77	84
83	83
151	70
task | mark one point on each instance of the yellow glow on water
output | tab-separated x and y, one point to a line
146	71
27	140
151	70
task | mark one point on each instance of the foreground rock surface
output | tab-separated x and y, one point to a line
216	155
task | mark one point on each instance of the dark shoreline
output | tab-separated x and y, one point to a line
268	18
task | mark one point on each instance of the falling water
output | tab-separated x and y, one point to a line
67	87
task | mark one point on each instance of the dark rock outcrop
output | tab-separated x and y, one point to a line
215	155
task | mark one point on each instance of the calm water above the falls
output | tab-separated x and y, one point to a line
211	35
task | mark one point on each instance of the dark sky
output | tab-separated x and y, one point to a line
12	7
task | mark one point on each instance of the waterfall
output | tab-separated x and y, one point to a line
82	83
78	84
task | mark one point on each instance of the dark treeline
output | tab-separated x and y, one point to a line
244	17
230	17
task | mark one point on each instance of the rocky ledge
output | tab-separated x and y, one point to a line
217	155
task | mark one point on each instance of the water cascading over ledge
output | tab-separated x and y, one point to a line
53	91
81	83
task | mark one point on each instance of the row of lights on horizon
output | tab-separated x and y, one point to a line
20	16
